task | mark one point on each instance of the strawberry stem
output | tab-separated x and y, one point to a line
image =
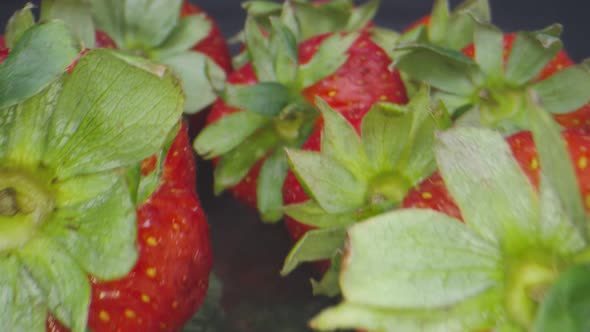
24	204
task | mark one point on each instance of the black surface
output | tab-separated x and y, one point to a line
248	253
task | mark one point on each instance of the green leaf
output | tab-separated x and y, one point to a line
65	286
566	307
362	15
23	305
444	69
565	91
266	98
284	43
330	184
75	13
530	53
226	133
109	16
475	314
330	56
489	45
438	261
329	284
311	213
269	190
80	189
100	233
260	54
234	165
319	18
315	245
196	71
557	165
28	135
341	142
477	166
18	23
91	133
40	56
148	23
187	33
7	122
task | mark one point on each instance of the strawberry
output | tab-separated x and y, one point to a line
175	33
490	87
102	225
268	103
357	173
518	261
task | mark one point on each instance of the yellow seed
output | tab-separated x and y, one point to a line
129	313
587	199
104	316
331	93
426	195
582	162
151	272
175	227
145	298
175	304
534	163
383	97
151	241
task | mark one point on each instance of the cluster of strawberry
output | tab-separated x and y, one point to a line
437	177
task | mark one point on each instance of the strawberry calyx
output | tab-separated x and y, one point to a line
153	30
63	188
501	268
491	86
359	175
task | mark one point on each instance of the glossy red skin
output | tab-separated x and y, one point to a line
362	81
173	238
433	194
576	119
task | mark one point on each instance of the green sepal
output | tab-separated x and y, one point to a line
468	316
40	56
444	69
430	247
467	158
234	165
330	56
269	193
112	136
75	13
460	29
556	163
186	34
259	52
333	186
317	244
65	286
530	53
227	133
439	21
199	76
329	285
23	305
98	233
341	142
566	90
21	21
311	213
137	24
265	98
567	304
489	43
362	15
285	52
262	8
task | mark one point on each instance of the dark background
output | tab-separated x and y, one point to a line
249	254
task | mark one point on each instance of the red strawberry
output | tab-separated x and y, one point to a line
350	72
518	261
126	240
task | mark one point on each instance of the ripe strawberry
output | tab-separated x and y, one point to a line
518	262
491	87
268	104
175	33
107	240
